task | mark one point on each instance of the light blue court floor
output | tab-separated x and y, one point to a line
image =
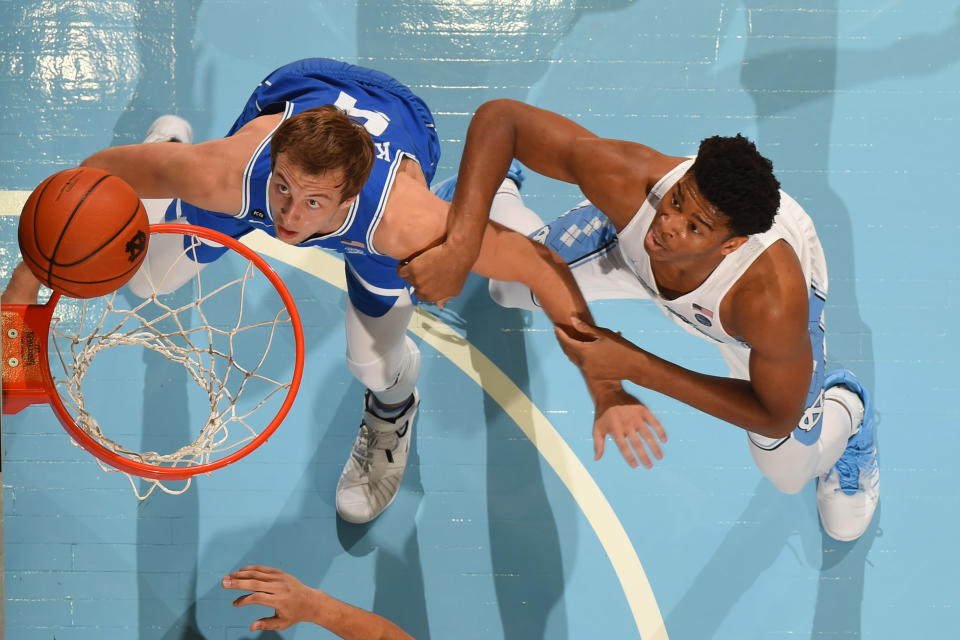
505	527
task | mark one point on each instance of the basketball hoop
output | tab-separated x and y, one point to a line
224	348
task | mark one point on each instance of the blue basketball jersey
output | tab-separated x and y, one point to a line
401	127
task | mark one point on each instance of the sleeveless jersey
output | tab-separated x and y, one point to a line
698	310
401	127
610	265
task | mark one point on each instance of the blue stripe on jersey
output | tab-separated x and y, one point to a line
808	431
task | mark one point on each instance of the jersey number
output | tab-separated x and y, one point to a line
374	121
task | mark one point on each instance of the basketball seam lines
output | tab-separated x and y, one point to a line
36	206
108	240
56	247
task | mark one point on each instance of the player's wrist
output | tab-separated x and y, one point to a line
324	610
604	392
464	247
465	230
638	365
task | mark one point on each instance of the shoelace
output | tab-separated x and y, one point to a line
369	440
362	453
848	471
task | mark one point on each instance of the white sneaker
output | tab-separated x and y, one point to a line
170	128
371	477
847	495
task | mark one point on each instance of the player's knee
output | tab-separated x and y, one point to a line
391	377
789	485
146	283
788	464
166	268
786	475
512	295
140	285
497	292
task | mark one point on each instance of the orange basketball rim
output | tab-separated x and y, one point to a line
27	377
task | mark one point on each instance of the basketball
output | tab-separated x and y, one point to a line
83	232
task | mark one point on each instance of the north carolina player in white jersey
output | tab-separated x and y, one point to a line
726	254
336	156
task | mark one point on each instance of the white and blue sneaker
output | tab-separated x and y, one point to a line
371	478
444	190
847	494
170	128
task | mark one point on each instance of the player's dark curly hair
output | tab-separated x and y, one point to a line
736	179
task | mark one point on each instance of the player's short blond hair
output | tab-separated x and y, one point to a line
322	140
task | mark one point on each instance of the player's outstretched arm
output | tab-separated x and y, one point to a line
770	403
509	256
293	602
415	219
499	131
208	174
615	175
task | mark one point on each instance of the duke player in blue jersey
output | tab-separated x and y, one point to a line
330	155
715	243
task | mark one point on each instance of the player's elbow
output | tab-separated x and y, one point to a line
779	424
496	109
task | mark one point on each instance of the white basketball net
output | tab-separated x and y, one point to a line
234	382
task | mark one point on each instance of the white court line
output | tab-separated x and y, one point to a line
11	202
551	445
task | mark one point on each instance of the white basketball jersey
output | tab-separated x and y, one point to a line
699	310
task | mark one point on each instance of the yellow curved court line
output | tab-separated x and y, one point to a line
515	403
528	417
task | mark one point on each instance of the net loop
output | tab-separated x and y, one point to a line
227	357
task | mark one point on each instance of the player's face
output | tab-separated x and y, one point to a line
687	227
303	204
